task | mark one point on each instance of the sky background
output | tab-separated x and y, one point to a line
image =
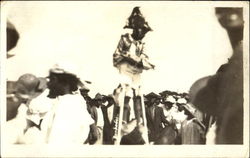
186	43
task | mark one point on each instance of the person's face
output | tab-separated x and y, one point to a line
157	102
139	33
54	86
168	105
182	116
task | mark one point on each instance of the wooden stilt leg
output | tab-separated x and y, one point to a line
120	117
144	116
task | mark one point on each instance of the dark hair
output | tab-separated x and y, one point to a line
68	79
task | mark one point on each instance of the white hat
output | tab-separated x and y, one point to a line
182	101
69	68
65	68
170	99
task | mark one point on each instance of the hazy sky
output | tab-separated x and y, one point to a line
187	42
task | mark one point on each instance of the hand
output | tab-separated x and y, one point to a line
128	127
142	129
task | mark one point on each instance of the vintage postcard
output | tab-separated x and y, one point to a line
124	79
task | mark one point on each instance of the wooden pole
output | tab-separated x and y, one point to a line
120	116
144	117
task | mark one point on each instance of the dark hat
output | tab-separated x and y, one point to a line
152	95
12	36
136	20
230	17
30	86
70	69
98	96
166	93
145	98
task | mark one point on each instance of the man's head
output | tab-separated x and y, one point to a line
98	99
169	101
153	99
232	20
60	84
156	101
62	80
230	17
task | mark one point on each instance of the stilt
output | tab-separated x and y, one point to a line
144	117
117	136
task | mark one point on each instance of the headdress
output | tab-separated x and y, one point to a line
136	20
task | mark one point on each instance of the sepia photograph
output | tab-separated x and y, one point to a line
124	79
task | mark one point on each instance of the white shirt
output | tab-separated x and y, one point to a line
71	120
100	121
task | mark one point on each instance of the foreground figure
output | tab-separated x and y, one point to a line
69	121
221	95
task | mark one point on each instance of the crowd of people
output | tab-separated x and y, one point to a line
58	109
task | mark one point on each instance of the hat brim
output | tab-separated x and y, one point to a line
42	85
144	28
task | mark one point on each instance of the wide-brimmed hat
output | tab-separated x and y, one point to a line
70	69
166	93
169	99
181	101
151	96
136	20
29	86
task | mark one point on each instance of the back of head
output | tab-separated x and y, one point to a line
26	84
63	79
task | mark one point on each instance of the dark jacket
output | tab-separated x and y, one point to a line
155	124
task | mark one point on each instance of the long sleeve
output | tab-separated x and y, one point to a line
120	51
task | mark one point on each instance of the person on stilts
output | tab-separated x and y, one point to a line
130	60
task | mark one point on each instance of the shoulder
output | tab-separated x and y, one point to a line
157	107
72	100
127	37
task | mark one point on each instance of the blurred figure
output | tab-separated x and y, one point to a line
108	115
70	113
168	102
25	89
221	95
37	115
84	91
97	115
192	130
12	38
